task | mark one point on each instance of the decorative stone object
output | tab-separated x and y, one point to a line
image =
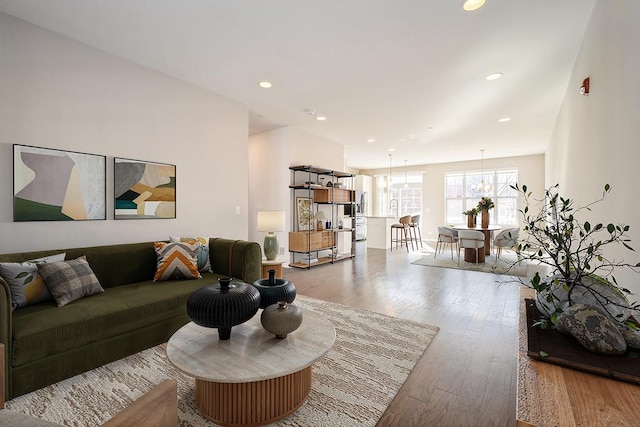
223	305
593	329
631	336
281	319
616	309
273	290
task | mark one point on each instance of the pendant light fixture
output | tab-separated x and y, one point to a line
482	187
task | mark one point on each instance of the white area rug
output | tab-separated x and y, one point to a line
506	264
352	385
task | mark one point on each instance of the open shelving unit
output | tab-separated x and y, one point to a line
327	190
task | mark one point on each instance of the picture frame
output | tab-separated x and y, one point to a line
304	213
58	185
143	189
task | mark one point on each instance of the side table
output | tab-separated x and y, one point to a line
272	265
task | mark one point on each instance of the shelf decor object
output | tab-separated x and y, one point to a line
304	213
270	222
57	185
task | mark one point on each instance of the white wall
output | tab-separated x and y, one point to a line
58	93
271	153
530	172
595	140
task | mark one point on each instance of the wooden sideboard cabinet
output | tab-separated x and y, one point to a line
304	241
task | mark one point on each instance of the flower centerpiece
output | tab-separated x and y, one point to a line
484	205
471	217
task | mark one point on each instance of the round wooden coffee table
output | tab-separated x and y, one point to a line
253	378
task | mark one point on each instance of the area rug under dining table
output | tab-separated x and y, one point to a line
507	263
352	384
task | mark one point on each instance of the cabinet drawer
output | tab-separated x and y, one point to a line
302	241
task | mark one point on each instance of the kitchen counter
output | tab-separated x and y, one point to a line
379	231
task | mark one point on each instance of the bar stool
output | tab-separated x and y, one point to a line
415	226
404	238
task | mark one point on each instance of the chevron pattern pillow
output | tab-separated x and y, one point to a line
204	265
177	261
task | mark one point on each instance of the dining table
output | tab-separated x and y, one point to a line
470	254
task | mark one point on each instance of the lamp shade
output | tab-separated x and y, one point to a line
319	215
270	221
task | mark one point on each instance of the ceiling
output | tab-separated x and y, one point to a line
408	73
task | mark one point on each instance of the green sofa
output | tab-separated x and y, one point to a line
46	343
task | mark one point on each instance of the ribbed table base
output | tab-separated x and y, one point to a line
254	403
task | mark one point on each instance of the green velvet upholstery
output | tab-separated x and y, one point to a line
45	343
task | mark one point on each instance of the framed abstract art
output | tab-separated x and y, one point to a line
57	185
143	189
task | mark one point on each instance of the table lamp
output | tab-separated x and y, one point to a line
271	221
319	218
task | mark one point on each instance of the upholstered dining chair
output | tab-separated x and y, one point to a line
507	238
446	236
470	239
402	233
415	227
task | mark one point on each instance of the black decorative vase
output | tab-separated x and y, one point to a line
223	305
273	290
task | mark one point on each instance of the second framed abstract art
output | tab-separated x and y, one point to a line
143	189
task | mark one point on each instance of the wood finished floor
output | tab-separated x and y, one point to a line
467	377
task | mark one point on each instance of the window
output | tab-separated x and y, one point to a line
400	200
459	195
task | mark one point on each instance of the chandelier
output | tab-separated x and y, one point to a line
482	187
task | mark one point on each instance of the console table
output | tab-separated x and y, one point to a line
552	395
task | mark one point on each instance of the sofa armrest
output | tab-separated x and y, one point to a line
6	335
236	258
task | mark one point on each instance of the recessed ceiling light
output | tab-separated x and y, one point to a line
371	140
493	76
391	150
265	84
471	5
504	119
321	118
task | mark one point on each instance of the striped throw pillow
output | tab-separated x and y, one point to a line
176	261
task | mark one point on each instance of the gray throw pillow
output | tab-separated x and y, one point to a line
70	280
25	285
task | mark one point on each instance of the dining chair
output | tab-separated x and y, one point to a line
446	236
403	238
470	239
507	238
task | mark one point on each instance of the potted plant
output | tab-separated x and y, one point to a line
484	205
471	217
574	252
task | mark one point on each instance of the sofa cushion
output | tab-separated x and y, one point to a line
117	311
204	265
25	284
176	261
70	280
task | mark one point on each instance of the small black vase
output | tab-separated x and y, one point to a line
223	305
273	290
